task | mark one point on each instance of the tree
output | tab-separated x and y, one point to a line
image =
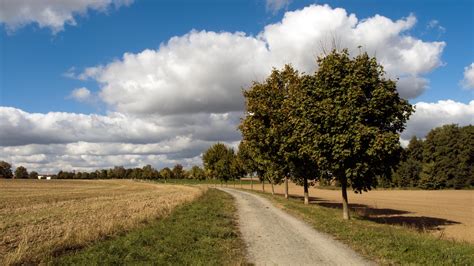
348	118
102	174
21	172
262	127
178	172
197	173
5	170
237	168
448	154
148	172
118	172
218	161
408	172
33	175
245	158
166	173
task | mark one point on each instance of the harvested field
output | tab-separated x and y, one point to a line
42	218
446	213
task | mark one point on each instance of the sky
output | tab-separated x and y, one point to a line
88	84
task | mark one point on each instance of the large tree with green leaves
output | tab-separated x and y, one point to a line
33	175
166	173
5	170
218	160
245	159
21	172
197	173
348	118
263	126
448	157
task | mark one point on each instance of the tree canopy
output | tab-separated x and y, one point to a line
218	160
5	170
21	172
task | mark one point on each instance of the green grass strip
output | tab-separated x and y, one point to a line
203	232
385	244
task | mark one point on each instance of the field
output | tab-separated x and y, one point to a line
43	218
448	214
203	232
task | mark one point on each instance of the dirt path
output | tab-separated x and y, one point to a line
275	237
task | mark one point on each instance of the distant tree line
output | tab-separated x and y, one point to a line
20	172
117	172
147	172
444	159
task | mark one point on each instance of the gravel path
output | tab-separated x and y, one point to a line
275	237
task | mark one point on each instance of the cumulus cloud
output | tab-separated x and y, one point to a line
276	5
167	105
205	71
21	128
54	141
468	81
51	14
430	115
81	94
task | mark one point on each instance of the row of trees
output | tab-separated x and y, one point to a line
445	159
20	172
146	172
340	123
118	172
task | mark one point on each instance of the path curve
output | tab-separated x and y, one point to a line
274	237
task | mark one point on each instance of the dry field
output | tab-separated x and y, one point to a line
40	218
446	213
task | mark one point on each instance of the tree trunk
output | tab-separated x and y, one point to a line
240	182
306	194
273	188
263	185
234	183
345	204
286	188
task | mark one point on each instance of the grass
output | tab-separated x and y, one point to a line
385	244
42	218
203	232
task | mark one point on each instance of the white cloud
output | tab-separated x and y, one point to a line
54	141
468	81
167	105
81	94
434	24
51	14
430	115
276	5
205	71
411	86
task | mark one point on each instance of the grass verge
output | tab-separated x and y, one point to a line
203	232
385	244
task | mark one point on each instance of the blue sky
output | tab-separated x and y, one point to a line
34	60
70	98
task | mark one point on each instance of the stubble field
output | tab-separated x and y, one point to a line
43	218
448	214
